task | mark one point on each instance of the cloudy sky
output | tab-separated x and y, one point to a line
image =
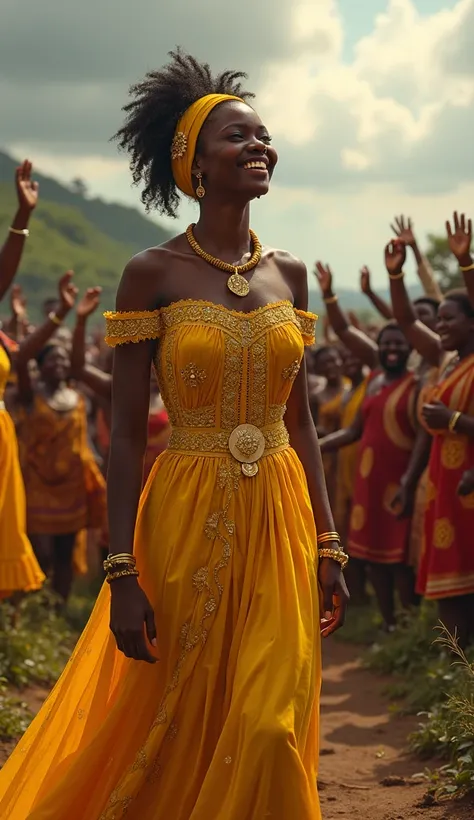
370	104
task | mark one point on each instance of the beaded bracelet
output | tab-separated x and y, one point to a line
340	556
124	573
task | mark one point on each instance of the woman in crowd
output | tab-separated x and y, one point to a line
228	528
64	489
384	426
327	404
446	571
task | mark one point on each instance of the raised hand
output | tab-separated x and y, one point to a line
365	280
323	274
459	237
89	303
403	229
18	303
67	293
395	255
26	189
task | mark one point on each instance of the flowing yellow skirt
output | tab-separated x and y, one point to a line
19	569
225	726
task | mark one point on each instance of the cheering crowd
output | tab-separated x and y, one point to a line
393	404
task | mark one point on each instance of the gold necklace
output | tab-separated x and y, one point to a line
236	282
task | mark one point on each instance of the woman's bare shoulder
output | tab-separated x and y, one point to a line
143	284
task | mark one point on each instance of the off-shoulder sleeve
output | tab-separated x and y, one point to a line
307	324
131	326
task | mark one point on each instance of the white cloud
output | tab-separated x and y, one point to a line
388	130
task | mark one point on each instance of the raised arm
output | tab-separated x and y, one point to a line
94	378
424	340
354	339
459	239
18	323
31	346
304	440
12	250
380	305
403	230
85	307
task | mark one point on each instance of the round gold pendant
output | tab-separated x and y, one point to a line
249	470
238	284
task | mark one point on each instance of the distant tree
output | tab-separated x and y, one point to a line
79	187
443	262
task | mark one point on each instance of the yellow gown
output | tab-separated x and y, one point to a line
19	569
225	726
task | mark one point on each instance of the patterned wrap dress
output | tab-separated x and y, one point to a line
226	724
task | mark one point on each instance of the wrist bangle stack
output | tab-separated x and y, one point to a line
396	275
120	565
54	318
335	553
20	232
465	268
453	421
330	300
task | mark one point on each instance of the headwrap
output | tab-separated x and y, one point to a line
186	136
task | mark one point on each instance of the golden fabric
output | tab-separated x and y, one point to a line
65	490
19	569
229	562
186	137
347	462
132	326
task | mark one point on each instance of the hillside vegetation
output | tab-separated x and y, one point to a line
69	230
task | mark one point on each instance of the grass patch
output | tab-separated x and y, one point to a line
35	644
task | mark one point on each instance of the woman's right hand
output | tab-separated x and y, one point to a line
395	255
131	616
67	294
323	274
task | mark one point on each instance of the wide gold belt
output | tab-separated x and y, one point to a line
246	443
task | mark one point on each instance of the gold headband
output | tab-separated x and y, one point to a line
186	136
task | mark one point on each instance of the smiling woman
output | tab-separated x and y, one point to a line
232	537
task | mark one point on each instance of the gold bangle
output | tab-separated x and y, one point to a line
453	421
331	300
125	573
121	556
328	536
395	276
55	319
121	559
20	232
339	556
465	268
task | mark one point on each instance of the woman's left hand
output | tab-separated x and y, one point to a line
335	595
437	415
466	485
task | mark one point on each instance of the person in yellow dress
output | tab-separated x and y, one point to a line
19	569
193	692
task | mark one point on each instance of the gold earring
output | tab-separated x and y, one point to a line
200	190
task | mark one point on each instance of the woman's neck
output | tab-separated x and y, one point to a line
467	350
224	232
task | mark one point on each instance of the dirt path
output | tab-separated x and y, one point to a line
363	745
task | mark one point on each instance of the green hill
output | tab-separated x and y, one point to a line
69	230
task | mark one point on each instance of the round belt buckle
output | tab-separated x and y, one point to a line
247	445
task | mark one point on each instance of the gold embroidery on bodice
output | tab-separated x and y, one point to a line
237	364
